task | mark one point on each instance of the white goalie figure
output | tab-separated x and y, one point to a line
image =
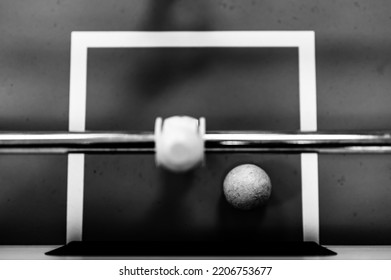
179	142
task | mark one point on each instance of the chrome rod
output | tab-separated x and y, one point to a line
215	141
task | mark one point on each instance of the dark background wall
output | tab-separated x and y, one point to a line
127	193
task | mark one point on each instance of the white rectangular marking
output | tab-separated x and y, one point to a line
303	40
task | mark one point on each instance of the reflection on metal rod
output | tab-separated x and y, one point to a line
215	141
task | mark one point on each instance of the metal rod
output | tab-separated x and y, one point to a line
215	141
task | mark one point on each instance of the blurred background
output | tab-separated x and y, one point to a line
126	197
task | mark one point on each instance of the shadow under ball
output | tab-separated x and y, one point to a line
247	187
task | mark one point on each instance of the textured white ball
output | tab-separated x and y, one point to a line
247	186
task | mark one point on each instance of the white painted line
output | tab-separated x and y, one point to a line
308	122
310	196
303	40
75	196
307	83
77	116
125	39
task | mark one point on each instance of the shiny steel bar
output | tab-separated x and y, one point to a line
77	142
299	142
215	141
